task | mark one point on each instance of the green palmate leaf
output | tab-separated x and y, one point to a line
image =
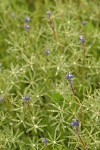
57	98
40	46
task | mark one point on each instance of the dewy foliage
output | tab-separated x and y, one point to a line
39	46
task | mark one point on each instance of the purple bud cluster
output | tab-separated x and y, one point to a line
82	39
27	26
48	14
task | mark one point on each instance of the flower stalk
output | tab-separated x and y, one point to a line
51	23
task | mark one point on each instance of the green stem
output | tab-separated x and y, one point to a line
52	27
80	139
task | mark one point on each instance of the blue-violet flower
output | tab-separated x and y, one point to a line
27	19
84	23
45	141
69	77
26	98
27	27
75	123
82	39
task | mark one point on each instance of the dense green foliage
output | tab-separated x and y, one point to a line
49	74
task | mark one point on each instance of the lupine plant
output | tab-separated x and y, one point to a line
50	75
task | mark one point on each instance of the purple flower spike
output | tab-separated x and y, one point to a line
69	77
84	23
27	27
26	98
82	39
27	19
75	123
